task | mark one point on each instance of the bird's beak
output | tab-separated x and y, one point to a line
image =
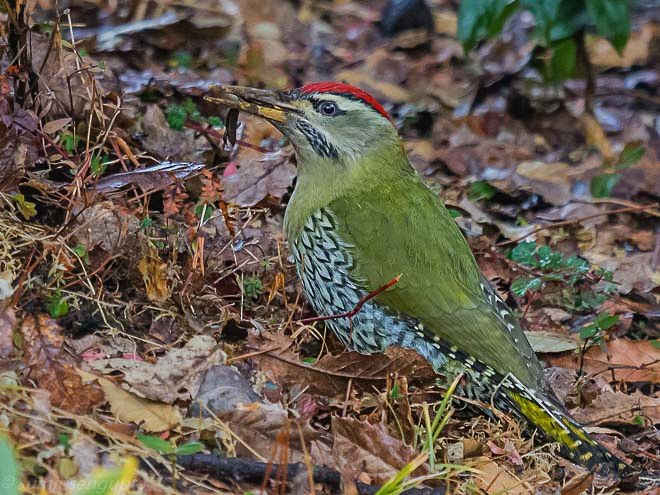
271	105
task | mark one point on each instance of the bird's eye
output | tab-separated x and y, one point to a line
328	108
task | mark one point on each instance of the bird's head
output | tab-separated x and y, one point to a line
329	124
344	139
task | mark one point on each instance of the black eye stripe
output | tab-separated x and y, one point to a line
317	140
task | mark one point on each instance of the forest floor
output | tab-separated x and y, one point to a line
150	325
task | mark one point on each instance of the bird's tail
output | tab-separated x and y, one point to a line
554	423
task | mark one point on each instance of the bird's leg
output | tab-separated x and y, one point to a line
350	314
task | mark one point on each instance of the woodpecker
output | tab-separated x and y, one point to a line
359	217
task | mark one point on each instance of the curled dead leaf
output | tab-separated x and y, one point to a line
370	449
154	274
624	360
176	375
150	415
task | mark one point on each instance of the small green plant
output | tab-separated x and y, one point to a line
603	184
146	222
168	448
594	331
216	121
81	251
57	306
176	116
560	27
99	165
27	208
69	141
203	211
573	273
481	189
252	287
181	59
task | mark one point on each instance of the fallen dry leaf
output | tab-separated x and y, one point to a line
370	449
18	144
260	175
176	376
258	425
595	135
151	416
602	53
551	342
634	272
611	407
330	374
154	274
43	339
549	180
101	225
578	484
170	144
629	361
495	479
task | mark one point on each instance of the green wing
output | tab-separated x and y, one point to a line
403	228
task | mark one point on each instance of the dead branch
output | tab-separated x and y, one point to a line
240	469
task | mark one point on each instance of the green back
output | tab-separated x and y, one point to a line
401	227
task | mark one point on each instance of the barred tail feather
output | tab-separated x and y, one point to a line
576	444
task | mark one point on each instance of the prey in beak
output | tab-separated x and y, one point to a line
273	106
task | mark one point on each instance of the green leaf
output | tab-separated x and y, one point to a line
65	440
176	116
98	165
146	222
603	184
57	306
81	252
545	13
571	16
181	59
521	286
454	213
562	63
638	420
481	190
525	253
69	141
630	155
156	443
479	19
203	209
605	321
27	208
549	259
252	287
589	331
189	448
10	472
612	19
216	121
